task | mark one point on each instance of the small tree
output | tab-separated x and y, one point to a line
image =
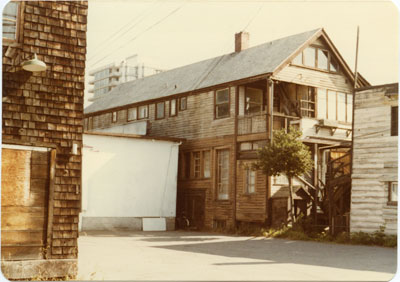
288	155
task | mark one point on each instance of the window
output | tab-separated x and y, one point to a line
10	20
143	112
206	164
222	103
394	131
114	117
307	101
160	110
253	100
255	145
172	108
393	192
183	103
223	174
250	181
315	57
132	114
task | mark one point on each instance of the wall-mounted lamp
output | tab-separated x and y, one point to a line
34	65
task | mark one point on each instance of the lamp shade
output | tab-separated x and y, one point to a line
34	65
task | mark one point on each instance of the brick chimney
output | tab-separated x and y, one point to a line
241	41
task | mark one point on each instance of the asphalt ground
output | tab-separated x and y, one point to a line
196	256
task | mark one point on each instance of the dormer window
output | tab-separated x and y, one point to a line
317	58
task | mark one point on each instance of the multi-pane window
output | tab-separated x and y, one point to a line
196	164
172	108
334	105
222	103
132	114
10	21
223	174
394	131
307	102
250	181
143	112
183	103
255	145
393	192
160	110
316	57
253	100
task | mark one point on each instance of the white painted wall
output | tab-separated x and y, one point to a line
128	177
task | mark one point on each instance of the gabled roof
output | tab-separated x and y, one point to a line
254	61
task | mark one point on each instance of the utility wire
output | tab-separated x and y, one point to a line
137	36
135	22
254	16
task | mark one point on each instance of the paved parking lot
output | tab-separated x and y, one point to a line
206	256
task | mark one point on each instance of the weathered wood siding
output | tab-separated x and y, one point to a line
251	207
24	193
46	108
310	77
375	158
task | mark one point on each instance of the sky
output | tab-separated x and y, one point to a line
170	33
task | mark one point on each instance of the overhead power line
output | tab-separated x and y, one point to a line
141	33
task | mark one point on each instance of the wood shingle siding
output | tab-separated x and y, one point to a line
45	109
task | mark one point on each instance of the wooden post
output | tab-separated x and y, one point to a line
270	109
235	154
315	182
53	154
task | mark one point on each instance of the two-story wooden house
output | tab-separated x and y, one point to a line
226	108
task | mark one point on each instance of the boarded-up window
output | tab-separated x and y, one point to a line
321	103
222	103
331	105
341	106
223	174
394	131
10	14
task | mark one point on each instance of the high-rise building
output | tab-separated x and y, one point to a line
105	78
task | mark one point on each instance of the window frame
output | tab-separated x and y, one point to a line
245	101
390	201
19	26
309	102
216	105
176	108
147	112
114	117
156	110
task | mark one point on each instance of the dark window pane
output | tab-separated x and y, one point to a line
222	96
222	110
394	126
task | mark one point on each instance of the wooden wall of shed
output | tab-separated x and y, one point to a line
46	108
375	159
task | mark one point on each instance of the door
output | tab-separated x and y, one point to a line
24	198
191	203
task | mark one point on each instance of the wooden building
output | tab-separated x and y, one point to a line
42	113
375	159
226	108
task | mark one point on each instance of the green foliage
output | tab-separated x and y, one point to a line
286	154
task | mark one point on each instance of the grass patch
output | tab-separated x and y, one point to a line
305	231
